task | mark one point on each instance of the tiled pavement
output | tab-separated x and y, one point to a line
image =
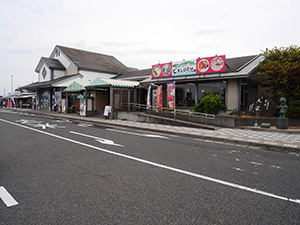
269	140
238	136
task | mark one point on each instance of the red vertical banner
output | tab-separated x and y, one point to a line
171	95
159	98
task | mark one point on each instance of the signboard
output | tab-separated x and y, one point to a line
211	64
181	68
215	64
171	95
107	110
162	70
82	107
57	98
263	106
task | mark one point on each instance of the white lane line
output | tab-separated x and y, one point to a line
277	167
256	163
7	198
85	125
238	169
241	187
137	134
101	140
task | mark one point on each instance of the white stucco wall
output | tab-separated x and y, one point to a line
90	76
58	73
232	93
70	67
48	73
63	59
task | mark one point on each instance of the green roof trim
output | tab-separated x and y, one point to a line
75	87
98	82
80	97
112	82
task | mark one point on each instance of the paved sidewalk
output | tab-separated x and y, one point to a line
264	139
237	136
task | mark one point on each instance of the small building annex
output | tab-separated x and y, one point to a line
67	65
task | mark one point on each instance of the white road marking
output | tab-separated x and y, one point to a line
277	167
35	123
137	134
234	151
7	198
101	140
47	125
62	121
30	122
85	125
238	169
256	163
203	177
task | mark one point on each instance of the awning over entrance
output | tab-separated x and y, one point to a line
114	83
80	97
75	87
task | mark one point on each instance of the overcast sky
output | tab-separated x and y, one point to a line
140	33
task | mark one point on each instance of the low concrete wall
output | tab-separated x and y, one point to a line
144	118
220	121
239	122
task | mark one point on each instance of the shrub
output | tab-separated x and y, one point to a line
294	110
210	104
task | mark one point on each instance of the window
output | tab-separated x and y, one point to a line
185	95
215	87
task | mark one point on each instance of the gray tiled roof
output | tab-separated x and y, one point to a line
47	84
54	64
232	65
235	64
136	73
86	60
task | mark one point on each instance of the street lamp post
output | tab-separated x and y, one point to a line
12	83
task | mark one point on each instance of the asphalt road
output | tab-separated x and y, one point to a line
68	172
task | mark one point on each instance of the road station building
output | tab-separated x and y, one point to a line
105	81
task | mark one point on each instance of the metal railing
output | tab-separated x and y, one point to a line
136	107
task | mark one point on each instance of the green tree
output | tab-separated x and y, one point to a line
282	68
294	110
210	104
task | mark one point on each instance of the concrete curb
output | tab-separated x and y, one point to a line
265	146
